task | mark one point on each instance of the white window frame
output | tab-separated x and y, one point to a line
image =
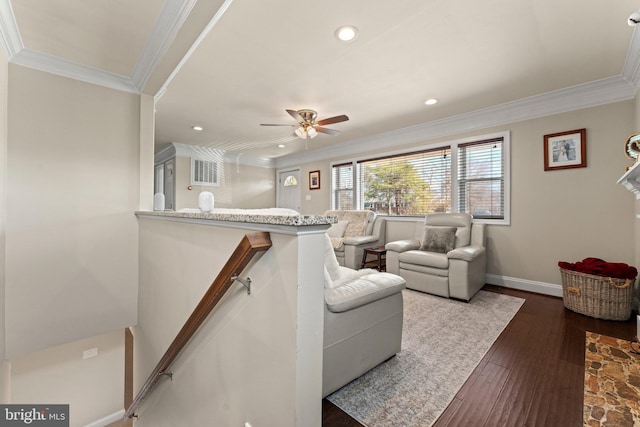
506	137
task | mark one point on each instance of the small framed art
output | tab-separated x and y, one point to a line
314	180
565	150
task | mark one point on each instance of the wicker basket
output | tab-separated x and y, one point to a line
597	296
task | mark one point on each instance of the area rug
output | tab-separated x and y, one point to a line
611	382
442	343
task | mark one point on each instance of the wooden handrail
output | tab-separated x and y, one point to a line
250	245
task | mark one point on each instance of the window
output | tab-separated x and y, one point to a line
290	181
407	184
470	175
342	186
481	179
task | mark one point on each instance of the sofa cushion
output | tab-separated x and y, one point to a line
403	268
360	222
438	239
331	266
364	290
338	229
357	223
427	259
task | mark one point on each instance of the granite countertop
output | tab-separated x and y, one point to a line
256	216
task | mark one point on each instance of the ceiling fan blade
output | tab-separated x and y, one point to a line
297	117
327	131
330	120
275	124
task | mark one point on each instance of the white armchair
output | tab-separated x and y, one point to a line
362	321
446	256
355	231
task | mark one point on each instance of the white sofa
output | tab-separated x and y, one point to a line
355	231
362	321
456	271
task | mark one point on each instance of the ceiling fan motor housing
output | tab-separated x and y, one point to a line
309	116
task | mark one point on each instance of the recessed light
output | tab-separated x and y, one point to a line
431	101
347	33
198	128
280	145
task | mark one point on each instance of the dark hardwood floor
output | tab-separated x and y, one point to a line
533	375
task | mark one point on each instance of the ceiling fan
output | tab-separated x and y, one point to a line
308	127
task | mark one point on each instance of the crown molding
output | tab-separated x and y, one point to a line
173	15
10	39
599	92
165	154
193	47
62	67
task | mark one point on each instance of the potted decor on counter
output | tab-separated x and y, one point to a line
598	288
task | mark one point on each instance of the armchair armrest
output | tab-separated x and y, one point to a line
363	290
467	253
359	240
402	245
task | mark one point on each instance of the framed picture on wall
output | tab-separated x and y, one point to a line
565	150
314	180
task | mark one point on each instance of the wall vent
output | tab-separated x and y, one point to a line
205	172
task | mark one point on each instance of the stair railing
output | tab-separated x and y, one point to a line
250	245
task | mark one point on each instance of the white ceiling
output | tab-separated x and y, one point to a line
229	66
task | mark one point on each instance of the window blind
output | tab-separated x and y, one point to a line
342	184
409	184
481	178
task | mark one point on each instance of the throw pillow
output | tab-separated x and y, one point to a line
337	229
439	239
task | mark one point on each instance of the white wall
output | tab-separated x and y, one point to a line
561	215
93	387
319	200
4	366
242	186
73	182
258	358
566	215
147	145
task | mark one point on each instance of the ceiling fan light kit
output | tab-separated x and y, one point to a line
300	132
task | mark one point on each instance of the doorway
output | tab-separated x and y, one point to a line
289	189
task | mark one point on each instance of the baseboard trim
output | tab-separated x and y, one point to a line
525	285
109	419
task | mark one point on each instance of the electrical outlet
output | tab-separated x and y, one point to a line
88	354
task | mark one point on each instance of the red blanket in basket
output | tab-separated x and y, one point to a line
598	267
